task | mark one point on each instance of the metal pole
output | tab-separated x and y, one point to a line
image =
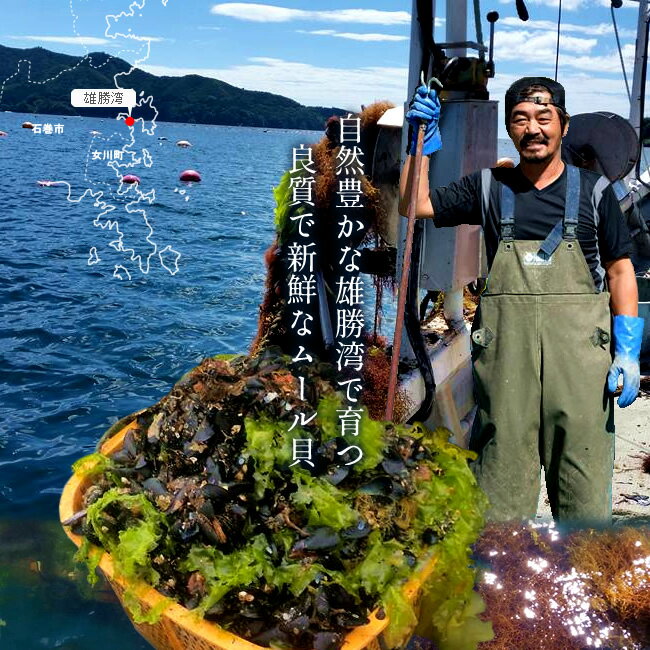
456	26
415	52
640	52
456	33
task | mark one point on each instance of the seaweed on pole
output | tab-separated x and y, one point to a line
375	375
272	325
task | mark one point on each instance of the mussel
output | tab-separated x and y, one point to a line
319	539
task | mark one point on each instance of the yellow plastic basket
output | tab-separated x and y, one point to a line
181	629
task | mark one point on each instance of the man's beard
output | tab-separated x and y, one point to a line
534	158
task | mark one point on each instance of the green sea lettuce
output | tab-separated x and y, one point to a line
90	555
268	444
371	439
383	563
297	576
223	572
131	548
284	209
323	503
401	614
453	506
92	465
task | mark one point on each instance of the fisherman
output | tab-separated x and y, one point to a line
559	267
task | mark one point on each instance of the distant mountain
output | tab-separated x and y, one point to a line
191	98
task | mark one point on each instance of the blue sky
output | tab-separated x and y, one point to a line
341	53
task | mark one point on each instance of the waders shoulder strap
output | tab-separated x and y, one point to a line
486	182
572	203
565	228
507	217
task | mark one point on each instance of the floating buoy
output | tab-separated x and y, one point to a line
130	178
95	133
28	125
183	143
162	137
2	133
190	175
50	183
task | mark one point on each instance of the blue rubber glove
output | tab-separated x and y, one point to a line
424	107
628	332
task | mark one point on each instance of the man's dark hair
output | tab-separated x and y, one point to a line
527	87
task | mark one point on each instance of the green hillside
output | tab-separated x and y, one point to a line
191	98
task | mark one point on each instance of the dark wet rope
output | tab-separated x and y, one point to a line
479	28
620	53
557	49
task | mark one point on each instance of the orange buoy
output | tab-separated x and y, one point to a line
130	178
28	125
190	175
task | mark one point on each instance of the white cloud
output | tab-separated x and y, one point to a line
69	40
345	88
537	46
605	63
601	29
355	36
263	13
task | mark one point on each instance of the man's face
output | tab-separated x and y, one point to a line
535	129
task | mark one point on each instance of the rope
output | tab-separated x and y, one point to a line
479	28
644	71
557	49
620	53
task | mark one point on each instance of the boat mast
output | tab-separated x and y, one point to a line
456	26
640	56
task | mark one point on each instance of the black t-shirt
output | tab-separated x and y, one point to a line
602	230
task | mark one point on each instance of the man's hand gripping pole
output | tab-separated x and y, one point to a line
424	140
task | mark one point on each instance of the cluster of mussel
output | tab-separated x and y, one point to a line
189	456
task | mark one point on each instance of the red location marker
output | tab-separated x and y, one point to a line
129	121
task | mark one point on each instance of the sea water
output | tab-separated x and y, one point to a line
80	348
